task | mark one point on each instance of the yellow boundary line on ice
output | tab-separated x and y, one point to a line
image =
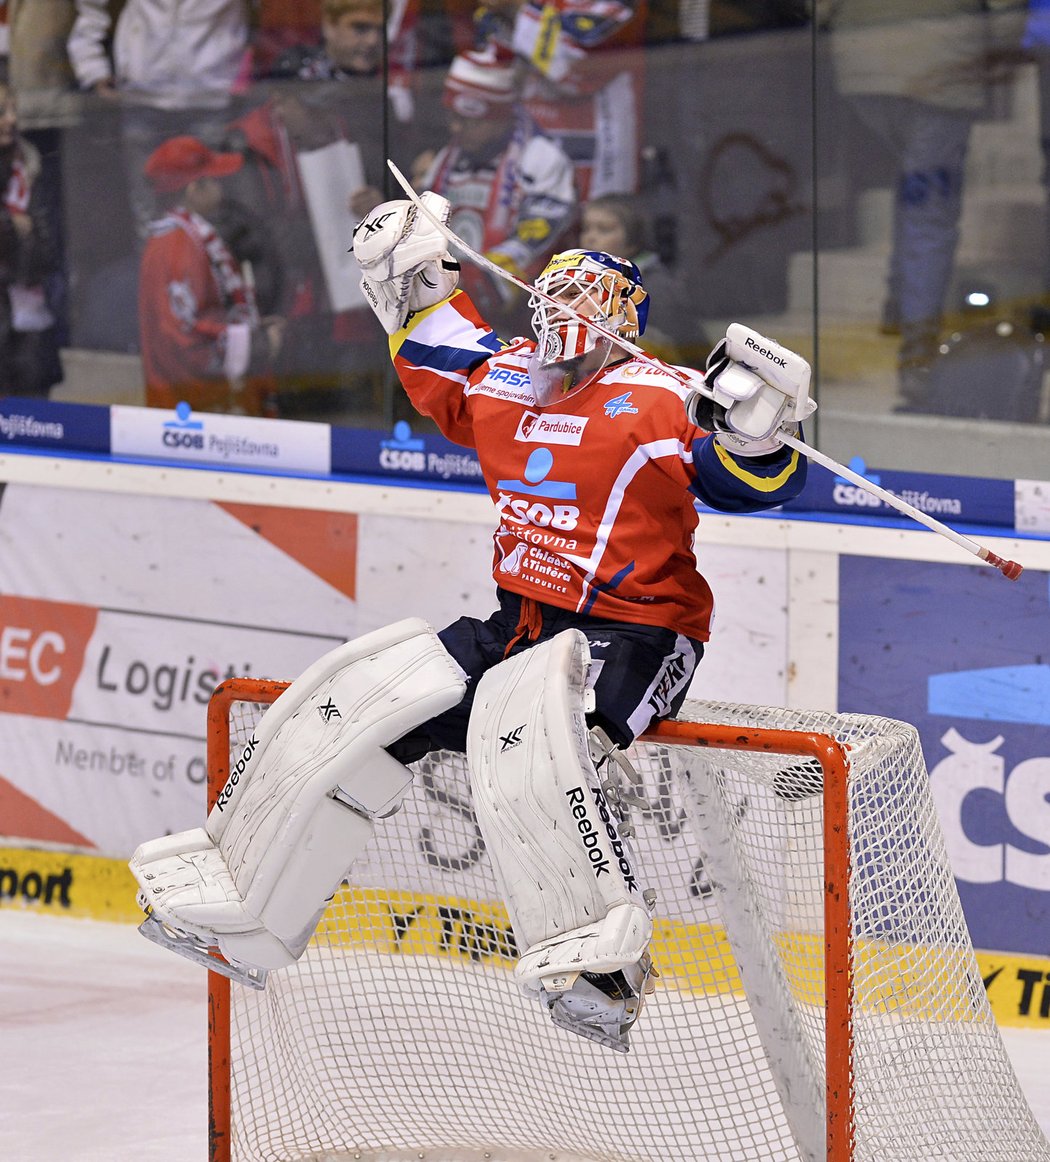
407	923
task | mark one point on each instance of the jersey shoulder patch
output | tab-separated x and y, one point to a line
506	375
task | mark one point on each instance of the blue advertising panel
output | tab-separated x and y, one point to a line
965	657
958	500
46	426
402	454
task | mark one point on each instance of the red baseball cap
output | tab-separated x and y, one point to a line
181	160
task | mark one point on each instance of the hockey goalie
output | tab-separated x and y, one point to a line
594	459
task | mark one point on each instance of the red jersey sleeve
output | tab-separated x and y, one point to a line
434	355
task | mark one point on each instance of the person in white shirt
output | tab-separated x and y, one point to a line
174	68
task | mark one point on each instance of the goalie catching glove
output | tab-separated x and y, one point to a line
760	389
404	259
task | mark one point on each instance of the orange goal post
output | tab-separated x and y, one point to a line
818	995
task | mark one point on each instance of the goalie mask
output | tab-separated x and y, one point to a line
598	286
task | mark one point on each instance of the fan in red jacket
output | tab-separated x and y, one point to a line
203	341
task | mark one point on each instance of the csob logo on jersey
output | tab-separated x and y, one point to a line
535	500
620	405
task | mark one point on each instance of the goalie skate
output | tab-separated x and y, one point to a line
603	1006
195	948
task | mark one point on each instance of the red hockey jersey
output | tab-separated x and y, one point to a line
595	495
198	321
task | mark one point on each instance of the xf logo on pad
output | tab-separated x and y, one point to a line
376	223
511	740
329	711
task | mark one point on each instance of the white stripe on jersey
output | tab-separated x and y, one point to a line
638	459
451	376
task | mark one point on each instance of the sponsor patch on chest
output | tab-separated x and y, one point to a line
550	428
505	383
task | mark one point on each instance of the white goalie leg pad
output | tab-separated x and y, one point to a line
567	876
299	803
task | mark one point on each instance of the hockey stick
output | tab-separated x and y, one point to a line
1009	569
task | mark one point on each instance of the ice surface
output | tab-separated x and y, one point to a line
103	1040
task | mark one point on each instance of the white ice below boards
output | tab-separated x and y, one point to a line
96	1022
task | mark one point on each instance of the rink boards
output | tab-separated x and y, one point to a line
127	590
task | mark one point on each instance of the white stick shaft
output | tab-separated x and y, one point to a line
885	496
500	272
791	441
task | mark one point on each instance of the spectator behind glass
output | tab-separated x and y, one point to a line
49	108
351	50
321	99
174	68
510	186
29	264
39	68
913	71
578	83
616	224
352	36
203	341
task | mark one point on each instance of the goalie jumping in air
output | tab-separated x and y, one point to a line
593	458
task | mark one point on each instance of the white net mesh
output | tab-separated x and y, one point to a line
400	1034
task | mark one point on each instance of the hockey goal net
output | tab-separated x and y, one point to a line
818	995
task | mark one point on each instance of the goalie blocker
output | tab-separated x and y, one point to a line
759	389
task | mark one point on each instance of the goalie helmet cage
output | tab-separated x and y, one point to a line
818	998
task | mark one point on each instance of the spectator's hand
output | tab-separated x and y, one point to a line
274	327
107	90
420	167
364	201
23	224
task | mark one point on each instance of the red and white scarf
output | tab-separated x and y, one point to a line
16	196
238	296
499	179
